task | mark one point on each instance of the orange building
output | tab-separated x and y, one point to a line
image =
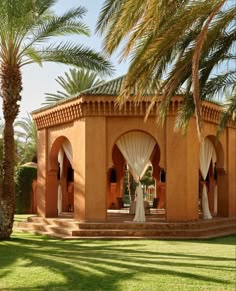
77	152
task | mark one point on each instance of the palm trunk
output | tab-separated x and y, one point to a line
10	91
7	206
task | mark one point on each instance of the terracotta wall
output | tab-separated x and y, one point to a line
42	172
95	168
182	166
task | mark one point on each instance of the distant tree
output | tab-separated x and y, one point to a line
147	178
26	135
72	83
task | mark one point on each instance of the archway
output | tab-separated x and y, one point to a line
61	176
144	147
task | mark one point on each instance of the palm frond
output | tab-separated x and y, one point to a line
220	85
77	55
72	83
229	112
181	44
50	25
110	7
184	113
25	128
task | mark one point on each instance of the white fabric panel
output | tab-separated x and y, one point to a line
205	205
61	160
206	152
68	151
139	211
214	158
137	147
59	199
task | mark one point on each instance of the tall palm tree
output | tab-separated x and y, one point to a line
26	134
74	81
24	27
182	42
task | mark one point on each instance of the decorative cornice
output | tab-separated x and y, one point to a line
84	106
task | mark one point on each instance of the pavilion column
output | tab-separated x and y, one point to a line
223	193
226	180
51	194
95	169
47	183
78	146
116	189
182	173
42	172
232	171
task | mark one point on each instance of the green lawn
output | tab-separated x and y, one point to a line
30	262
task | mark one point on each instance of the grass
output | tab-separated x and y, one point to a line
30	262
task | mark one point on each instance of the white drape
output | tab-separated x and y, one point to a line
61	160
65	149
68	151
137	147
139	211
215	208
206	153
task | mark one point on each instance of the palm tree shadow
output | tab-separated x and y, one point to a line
82	264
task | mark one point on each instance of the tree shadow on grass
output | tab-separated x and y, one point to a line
103	265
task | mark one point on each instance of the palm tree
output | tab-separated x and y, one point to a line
24	27
182	42
72	83
26	135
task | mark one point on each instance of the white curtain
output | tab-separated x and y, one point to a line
59	199
215	209
61	160
206	153
137	147
68	151
65	149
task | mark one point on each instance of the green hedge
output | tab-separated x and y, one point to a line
24	179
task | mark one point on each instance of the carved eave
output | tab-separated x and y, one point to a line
85	105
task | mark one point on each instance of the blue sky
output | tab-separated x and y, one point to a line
37	80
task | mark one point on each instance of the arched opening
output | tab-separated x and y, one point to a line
121	191
61	176
211	167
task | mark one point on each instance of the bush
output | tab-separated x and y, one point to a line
24	179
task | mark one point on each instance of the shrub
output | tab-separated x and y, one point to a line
24	179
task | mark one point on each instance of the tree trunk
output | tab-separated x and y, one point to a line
10	91
7	206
